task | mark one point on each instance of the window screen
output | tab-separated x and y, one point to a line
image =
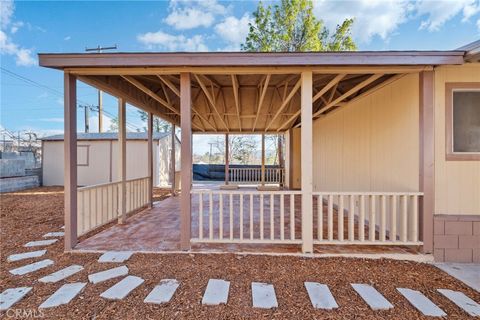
466	121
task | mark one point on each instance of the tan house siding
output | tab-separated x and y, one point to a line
371	144
457	182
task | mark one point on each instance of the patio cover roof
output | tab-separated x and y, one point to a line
240	92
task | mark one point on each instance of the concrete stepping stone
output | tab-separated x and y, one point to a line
26	255
54	234
11	296
263	296
372	297
31	267
122	288
462	301
115	256
422	303
64	295
216	292
320	296
61	274
163	292
62	227
40	243
108	274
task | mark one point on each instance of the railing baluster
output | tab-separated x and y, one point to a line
251	216
372	222
320	217
241	216
200	216
351	218
383	222
292	217
414	220
361	219
272	222
393	222
261	216
220	216
340	217
210	215
282	217
231	216
330	217
404	211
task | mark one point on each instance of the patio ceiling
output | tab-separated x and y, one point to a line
243	92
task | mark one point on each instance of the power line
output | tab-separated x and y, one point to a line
60	94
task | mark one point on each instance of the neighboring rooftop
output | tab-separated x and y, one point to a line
109	136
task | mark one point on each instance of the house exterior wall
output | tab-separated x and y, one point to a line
371	144
102	168
164	155
457	183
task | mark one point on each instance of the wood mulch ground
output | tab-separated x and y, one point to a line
27	215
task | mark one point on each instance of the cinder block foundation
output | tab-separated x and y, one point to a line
456	238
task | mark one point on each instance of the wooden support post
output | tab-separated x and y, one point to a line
263	159
70	145
122	161
150	160
227	159
307	162
281	163
186	156
427	164
172	159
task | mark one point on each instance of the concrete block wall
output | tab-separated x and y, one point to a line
12	168
19	183
456	238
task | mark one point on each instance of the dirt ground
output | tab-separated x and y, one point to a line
27	215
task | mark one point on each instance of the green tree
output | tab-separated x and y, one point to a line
292	26
159	125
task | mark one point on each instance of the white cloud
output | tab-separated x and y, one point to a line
439	12
193	14
56	120
93	124
164	41
233	31
23	56
372	17
67	38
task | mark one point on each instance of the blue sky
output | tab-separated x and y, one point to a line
30	27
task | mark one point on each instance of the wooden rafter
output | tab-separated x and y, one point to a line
347	94
284	103
210	99
149	92
260	101
170	85
236	97
329	85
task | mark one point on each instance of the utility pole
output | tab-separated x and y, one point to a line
87	109
100	49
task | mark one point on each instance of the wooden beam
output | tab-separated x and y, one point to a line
150	159
236	97
169	84
128	97
263	159
211	100
227	159
186	158
284	103
293	117
332	83
353	90
260	101
122	161
149	92
173	159
70	160
427	158
307	162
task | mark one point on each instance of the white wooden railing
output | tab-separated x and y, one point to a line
242	216
383	218
99	204
254	175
